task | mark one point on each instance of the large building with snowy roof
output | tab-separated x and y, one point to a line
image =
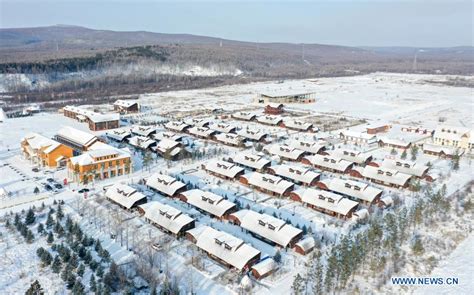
165	184
285	152
285	97
297	174
209	203
44	151
267	183
125	196
223	169
356	190
454	136
78	140
167	218
329	163
224	248
126	106
254	162
383	176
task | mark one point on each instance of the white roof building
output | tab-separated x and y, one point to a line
202	132
227	248
118	134
357	157
385	176
407	167
168	135
284	151
167	146
141	142
246	116
306	244
440	149
358	136
211	203
354	189
230	139
124	195
198	122
177	126
167	217
223	168
223	127
256	162
312	147
143	130
269	182
125	103
268	227
105	154
296	173
265	267
165	184
270	120
328	162
299	125
328	201
252	134
75	136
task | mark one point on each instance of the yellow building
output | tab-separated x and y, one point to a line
44	151
459	137
102	163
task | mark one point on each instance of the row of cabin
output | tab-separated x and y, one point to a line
277	121
96	121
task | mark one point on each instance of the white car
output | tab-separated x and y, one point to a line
156	247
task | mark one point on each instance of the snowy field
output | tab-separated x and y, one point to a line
394	98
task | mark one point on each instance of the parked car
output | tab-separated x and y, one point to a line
50	180
35	169
84	190
48	187
58	186
157	247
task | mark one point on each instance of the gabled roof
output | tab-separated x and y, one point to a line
306	244
222	127
244	115
176	126
98	117
252	134
451	133
352	156
312	147
201	131
168	135
251	160
267	226
358	134
298	124
118	134
37	141
125	103
168	146
329	162
124	195
407	167
355	189
327	200
265	266
198	122
386	175
76	136
229	138
143	130
296	173
285	151
269	182
447	150
224	168
166	216
270	120
211	203
224	246
141	141
165	184
91	156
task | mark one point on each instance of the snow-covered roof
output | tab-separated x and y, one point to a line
125	103
283	150
407	167
296	173
142	142
224	246
267	226
166	216
298	124
352	156
244	116
306	244
118	134
95	156
165	184
312	147
227	169
329	162
124	195
355	189
168	146
269	119
143	130
386	175
201	131
222	127
251	160
168	135
269	182
252	134
176	126
229	138
451	133
211	203
274	105
266	266
447	150
198	122
358	135
76	136
37	141
327	200
98	117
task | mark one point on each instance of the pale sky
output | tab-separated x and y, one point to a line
417	23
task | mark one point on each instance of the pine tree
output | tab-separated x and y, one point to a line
50	238
36	190
74	261
92	284
78	288
317	277
40	228
46	258
71	280
29	237
16	220
56	266
417	247
298	285
59	213
404	155
100	271
49	221
30	217
80	270
35	289
277	257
